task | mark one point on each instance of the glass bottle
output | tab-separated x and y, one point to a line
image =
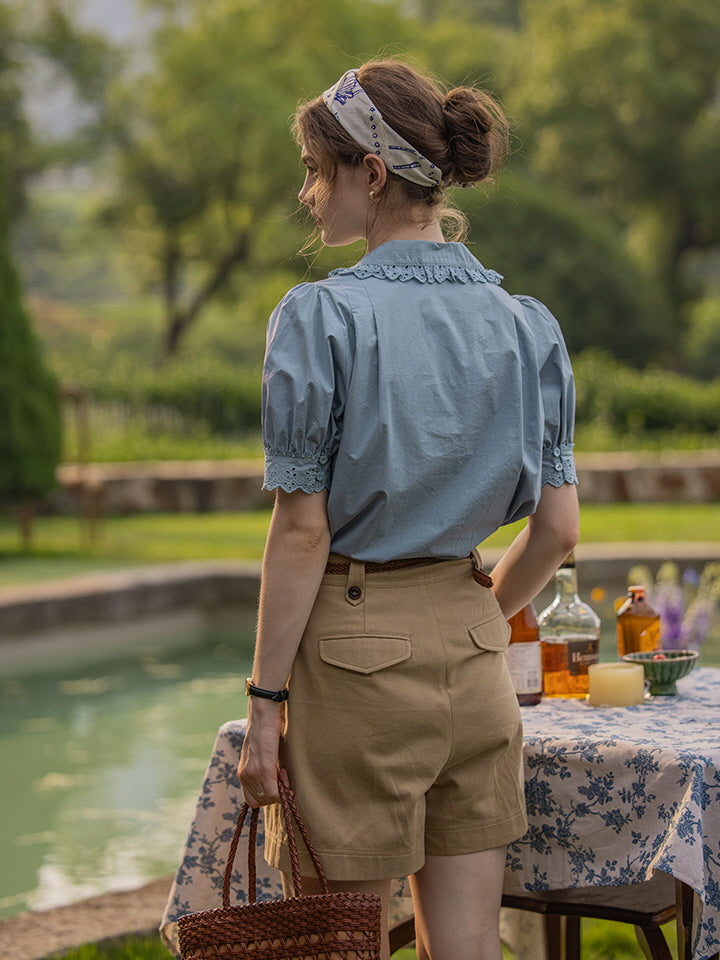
523	657
569	637
638	623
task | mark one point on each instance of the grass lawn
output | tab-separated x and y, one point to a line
59	550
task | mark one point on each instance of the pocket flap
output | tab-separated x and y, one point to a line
364	654
492	633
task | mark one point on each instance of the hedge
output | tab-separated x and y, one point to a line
652	400
227	399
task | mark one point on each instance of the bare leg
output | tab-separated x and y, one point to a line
311	886
457	906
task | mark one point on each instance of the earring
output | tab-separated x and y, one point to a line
372	198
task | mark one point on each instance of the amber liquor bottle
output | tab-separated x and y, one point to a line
638	623
569	637
523	655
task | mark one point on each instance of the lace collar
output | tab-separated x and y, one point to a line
423	260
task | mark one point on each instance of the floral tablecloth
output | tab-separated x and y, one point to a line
612	795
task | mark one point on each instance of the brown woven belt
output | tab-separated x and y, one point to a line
343	566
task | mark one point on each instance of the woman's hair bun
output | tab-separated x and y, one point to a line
477	135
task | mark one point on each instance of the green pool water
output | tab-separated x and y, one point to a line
102	765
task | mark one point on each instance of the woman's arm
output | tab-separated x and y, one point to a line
539	549
295	557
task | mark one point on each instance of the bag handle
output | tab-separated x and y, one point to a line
290	813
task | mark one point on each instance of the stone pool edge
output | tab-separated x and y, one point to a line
40	614
37	935
91	615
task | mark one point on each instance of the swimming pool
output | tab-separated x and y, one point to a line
102	764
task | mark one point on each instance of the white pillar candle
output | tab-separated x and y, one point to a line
615	684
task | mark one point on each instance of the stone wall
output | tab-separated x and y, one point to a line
205	486
684	476
187	486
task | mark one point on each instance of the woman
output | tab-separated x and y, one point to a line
410	407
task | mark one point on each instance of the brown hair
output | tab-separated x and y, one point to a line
464	132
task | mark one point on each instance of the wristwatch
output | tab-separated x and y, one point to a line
277	695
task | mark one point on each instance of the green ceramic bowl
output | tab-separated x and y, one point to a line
663	674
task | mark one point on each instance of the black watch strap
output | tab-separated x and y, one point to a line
277	695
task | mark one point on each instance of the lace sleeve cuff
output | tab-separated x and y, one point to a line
559	465
296	471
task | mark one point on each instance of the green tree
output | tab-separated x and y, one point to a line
703	339
42	34
467	12
15	136
208	175
562	251
618	101
30	436
29	398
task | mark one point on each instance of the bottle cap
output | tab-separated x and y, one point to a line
569	561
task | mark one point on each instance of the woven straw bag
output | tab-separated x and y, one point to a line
328	926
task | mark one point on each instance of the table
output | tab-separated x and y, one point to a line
612	795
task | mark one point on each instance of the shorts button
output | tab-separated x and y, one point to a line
354	593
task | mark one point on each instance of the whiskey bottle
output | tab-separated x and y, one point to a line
523	657
638	623
569	637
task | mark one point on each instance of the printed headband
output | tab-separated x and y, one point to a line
357	114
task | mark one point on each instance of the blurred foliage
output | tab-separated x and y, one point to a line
618	101
608	213
203	399
212	392
15	137
207	173
41	38
703	339
633	402
569	258
30	438
467	12
30	435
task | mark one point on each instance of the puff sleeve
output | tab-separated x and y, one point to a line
303	389
557	391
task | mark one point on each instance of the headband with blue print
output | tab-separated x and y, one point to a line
358	116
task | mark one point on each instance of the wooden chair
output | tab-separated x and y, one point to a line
647	906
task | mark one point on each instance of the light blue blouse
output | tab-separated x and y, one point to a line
431	403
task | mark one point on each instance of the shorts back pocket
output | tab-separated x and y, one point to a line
363	653
492	634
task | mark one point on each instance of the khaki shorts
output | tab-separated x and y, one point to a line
403	733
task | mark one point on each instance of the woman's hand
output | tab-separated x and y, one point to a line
258	767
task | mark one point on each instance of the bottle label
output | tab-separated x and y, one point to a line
581	652
525	665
